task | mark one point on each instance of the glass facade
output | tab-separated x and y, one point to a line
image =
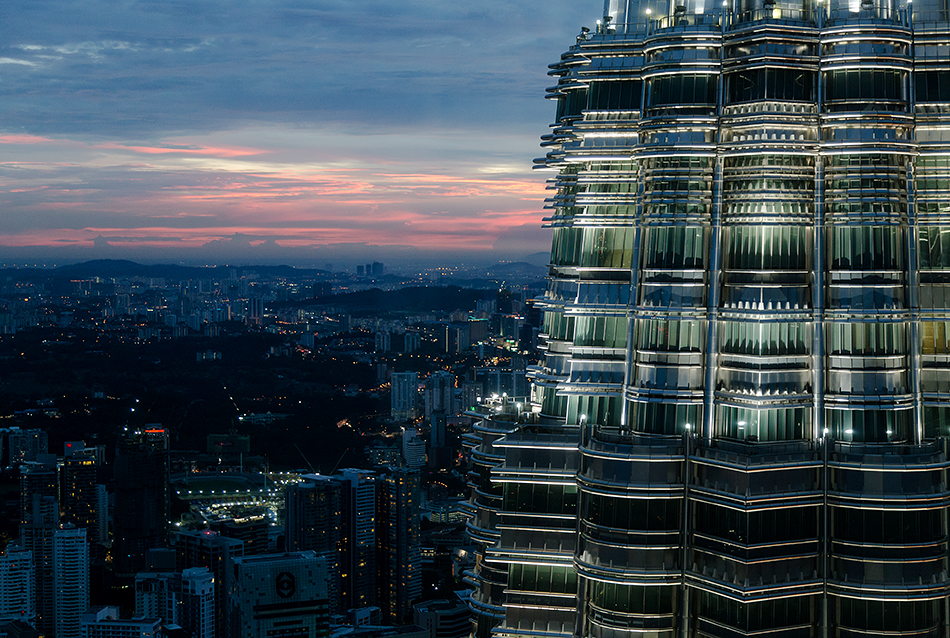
740	423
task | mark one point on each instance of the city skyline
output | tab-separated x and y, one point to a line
254	132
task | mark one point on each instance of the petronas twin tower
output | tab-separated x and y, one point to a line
740	423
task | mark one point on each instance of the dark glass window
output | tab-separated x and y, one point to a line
886	526
771	84
864	84
910	616
674	247
540	498
767	526
758	616
682	88
622	95
664	418
654	514
932	86
572	103
633	599
542	578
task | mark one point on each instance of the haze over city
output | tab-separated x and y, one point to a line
291	132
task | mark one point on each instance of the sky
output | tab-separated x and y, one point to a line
291	131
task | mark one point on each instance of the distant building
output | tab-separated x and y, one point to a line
106	623
81	489
70	580
217	553
17	586
141	499
26	445
359	555
315	521
413	448
404	390
443	618
440	393
36	537
37	477
196	604
399	570
279	595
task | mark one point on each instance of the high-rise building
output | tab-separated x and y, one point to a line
37	477
358	563
217	553
17	586
70	580
742	409
36	537
141	498
440	393
81	489
403	393
398	557
26	445
316	521
196	608
105	622
443	618
413	448
279	595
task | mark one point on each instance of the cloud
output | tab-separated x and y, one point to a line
298	122
149	67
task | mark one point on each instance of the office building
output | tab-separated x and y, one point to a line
81	494
196	608
443	618
17	586
184	598
70	580
141	499
413	448
742	409
316	521
36	537
279	595
440	394
398	558
217	553
37	477
26	445
404	389
106	623
358	562
157	594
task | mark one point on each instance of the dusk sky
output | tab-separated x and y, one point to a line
301	131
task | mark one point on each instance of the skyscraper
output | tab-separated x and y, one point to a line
70	580
36	537
741	416
217	553
141	498
398	566
17	585
403	393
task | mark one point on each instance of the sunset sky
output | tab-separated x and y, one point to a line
301	131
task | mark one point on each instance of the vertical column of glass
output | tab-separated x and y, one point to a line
867	140
487	579
755	490
618	522
931	85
